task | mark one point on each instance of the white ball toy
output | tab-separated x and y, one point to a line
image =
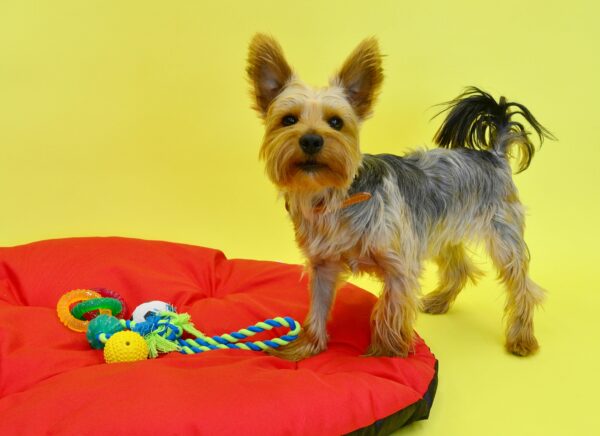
150	308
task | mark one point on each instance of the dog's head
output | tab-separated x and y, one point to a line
311	139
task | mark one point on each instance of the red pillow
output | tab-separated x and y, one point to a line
52	382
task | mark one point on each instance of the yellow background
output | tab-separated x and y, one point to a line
132	118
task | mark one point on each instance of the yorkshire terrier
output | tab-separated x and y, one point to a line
385	214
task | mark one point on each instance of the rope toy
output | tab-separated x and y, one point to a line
163	333
205	343
155	328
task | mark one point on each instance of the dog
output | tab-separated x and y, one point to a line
386	214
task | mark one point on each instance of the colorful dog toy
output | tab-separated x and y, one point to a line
125	346
206	343
108	293
163	333
85	307
155	328
151	307
63	308
77	307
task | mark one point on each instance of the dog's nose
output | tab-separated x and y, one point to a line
311	143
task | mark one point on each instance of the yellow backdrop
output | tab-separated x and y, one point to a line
132	118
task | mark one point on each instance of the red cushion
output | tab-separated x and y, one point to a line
51	381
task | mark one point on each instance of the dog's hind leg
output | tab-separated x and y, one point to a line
454	269
510	255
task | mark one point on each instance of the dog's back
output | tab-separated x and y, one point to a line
453	193
441	188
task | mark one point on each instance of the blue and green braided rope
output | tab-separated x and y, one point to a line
163	334
232	340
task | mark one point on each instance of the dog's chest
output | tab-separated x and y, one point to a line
324	237
338	238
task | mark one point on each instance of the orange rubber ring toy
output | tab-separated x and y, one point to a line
64	304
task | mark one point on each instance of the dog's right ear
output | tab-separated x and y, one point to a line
267	70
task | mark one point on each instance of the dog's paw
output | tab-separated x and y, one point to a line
399	347
522	347
303	347
378	351
434	304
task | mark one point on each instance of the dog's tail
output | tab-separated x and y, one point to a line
475	120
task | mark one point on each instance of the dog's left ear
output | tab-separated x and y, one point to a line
361	76
267	70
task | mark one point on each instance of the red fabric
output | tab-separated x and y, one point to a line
52	382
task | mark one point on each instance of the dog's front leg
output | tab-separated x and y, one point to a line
324	277
394	313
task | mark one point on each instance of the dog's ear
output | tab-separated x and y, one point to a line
361	76
267	70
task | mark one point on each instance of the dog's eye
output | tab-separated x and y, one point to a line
335	123
289	120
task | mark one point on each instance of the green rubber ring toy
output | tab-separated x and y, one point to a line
84	307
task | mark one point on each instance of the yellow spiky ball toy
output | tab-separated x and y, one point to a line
125	346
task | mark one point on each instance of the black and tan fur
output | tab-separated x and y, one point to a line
426	204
